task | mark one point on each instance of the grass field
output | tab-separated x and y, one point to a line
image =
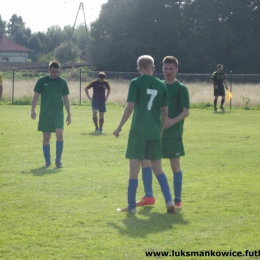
199	92
70	213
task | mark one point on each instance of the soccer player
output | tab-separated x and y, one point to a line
218	78
147	97
54	93
1	87
172	144
98	99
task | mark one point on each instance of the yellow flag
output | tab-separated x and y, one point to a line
229	95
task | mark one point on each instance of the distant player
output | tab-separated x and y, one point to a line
147	97
99	99
218	78
54	93
172	144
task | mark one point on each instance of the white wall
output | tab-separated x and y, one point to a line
13	56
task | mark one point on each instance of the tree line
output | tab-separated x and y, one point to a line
200	33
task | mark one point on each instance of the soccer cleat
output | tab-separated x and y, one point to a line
48	164
170	207
215	109
101	131
127	210
223	109
96	130
145	201
58	164
178	205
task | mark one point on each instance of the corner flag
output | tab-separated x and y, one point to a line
229	95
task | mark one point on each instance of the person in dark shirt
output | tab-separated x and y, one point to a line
218	80
98	99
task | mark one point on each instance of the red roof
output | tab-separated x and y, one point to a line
8	45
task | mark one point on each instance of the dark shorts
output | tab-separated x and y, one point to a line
220	91
98	105
50	124
172	148
149	149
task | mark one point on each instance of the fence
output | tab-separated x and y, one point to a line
199	86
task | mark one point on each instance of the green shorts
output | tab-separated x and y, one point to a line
149	149
172	148
50	124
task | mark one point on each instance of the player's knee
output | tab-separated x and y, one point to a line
59	135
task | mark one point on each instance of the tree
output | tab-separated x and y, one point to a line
55	37
2	25
34	44
67	52
200	33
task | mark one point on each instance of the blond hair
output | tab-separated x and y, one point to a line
145	61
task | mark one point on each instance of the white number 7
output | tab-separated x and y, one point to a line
153	93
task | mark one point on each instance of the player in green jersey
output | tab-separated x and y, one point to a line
172	145
54	93
147	97
218	79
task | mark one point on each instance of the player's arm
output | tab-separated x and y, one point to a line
34	103
213	83
171	121
67	106
108	92
164	116
86	90
225	83
127	113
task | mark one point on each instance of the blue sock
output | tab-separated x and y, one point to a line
147	176
132	187
46	153
177	184
164	187
59	148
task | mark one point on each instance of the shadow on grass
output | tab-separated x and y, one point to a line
42	171
154	223
94	133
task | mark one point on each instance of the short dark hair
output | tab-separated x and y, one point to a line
54	64
219	66
101	74
171	59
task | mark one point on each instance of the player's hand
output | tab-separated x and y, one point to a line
215	86
168	123
91	99
33	114
116	132
68	120
226	88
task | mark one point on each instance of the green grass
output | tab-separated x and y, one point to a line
70	213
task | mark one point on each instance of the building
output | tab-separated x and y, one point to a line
11	51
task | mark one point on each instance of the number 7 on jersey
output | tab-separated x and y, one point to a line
153	93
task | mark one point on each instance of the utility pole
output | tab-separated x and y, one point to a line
81	7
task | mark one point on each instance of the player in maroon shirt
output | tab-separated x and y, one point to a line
99	99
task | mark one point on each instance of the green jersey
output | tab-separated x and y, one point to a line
149	95
52	91
178	99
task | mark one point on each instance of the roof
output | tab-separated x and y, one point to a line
8	45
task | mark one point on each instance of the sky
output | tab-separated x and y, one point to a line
39	15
